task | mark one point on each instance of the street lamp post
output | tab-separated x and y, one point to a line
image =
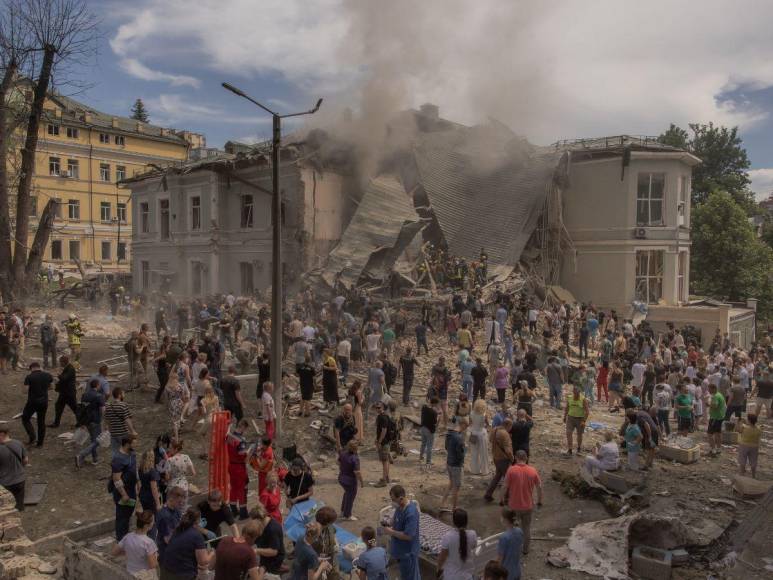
276	266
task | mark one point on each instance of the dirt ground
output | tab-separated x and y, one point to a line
684	491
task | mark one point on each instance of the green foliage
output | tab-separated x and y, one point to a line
139	112
728	260
724	161
675	137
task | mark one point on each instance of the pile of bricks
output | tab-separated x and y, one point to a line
16	557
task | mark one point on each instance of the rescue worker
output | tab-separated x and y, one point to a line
74	334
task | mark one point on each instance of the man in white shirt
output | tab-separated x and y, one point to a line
373	345
637	373
269	412
533	315
343	354
309	332
606	458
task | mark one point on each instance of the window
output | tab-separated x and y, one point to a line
58	208
196	213
121	253
163	211
104	171
246	221
119	140
649	199
104	211
75	250
33	206
120	173
106	251
56	249
145	218
197	277
104	138
74	209
247	279
121	212
145	274
72	168
681	207
53	166
682	277
53	129
72	133
649	275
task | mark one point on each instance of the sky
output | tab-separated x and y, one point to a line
549	70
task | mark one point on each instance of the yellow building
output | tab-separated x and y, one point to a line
81	155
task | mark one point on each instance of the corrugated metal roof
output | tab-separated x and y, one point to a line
487	188
384	222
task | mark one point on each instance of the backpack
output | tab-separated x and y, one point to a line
82	414
391	430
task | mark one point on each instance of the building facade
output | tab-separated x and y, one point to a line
627	213
82	154
206	228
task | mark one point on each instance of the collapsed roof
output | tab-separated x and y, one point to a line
464	188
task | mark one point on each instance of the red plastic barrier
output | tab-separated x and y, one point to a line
218	453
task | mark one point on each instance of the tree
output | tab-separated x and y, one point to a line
675	137
38	38
139	112
724	163
728	261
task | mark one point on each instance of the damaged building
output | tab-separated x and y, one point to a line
606	220
205	227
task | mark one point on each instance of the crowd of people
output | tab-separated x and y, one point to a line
490	362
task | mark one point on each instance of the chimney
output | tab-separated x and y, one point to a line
751	304
87	117
115	122
430	111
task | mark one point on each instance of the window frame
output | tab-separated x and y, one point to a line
104	138
119	140
650	201
106	244
145	274
120	251
104	172
58	208
105	216
145	217
74	244
121	210
57	243
74	204
195	213
643	281
33	206
247	220
164	219
681	277
54	166
53	129
72	132
73	169
120	173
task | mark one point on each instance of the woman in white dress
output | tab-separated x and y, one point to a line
479	463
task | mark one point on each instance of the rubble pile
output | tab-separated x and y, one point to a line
16	557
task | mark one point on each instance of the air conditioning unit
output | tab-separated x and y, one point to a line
64	174
640	233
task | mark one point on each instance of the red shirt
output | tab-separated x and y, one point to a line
271	500
520	482
234	559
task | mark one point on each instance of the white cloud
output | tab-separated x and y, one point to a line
140	71
762	182
550	70
174	109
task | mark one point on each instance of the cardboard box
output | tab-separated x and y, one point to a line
678	454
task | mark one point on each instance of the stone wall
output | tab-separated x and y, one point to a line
17	559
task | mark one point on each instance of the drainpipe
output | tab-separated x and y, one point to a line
91	199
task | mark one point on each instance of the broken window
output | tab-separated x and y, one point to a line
145	217
163	211
247	278
649	275
650	194
246	211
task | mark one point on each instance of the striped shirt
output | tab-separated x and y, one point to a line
116	414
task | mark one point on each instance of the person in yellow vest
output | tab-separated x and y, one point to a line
74	334
748	444
576	413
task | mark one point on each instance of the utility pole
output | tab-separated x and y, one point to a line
277	291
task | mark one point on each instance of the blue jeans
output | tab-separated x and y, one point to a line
409	567
556	392
467	387
663	420
94	430
115	445
427	440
